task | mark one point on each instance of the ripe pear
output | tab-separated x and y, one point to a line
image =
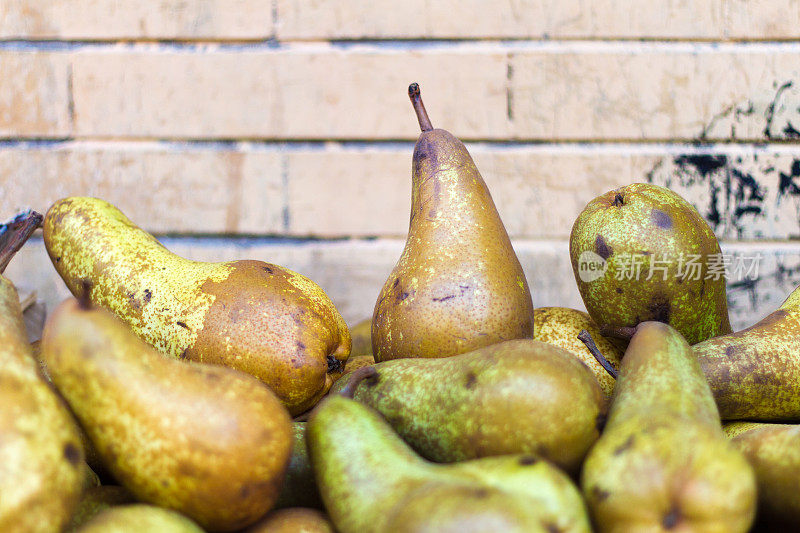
260	318
293	520
139	518
371	481
561	326
478	404
658	251
774	452
458	284
42	468
663	462
755	373
299	488
208	441
361	337
97	499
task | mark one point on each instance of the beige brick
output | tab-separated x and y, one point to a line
34	94
316	93
135	19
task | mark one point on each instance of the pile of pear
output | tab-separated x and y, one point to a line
181	396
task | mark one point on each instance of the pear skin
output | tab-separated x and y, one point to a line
299	489
560	327
650	228
262	319
293	520
663	462
468	406
96	500
208	441
361	337
371	481
755	373
139	517
458	284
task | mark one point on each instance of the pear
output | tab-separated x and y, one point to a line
260	318
96	500
361	338
663	461
354	363
641	252
42	468
208	441
755	373
139	518
371	481
471	405
293	520
299	489
774	452
458	284
561	326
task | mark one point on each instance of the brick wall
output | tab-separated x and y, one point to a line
280	130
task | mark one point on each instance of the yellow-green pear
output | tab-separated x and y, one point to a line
97	499
139	518
299	488
458	284
361	337
263	319
208	441
293	520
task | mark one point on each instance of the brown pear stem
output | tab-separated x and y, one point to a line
419	107
84	298
358	375
618	200
15	233
586	338
624	333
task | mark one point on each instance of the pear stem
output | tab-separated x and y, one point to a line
358	375
618	200
15	233
419	107
586	338
624	333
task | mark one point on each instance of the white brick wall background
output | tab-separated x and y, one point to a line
281	130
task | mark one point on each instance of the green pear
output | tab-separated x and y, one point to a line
478	404
561	326
42	468
371	481
139	518
663	462
662	262
208	441
97	499
755	373
774	452
260	318
299	489
293	520
458	284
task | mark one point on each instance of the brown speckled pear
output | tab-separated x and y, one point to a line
139	518
253	316
458	284
208	441
774	452
644	230
42	472
372	482
560	327
663	462
520	396
294	520
755	373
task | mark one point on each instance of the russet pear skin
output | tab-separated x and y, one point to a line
519	396
372	482
42	468
293	520
458	284
560	327
139	518
654	226
263	319
755	373
663	462
208	441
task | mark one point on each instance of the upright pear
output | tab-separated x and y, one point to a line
42	470
755	373
205	440
257	317
641	252
481	403
663	462
371	481
458	284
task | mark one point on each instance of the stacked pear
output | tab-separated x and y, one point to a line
205	440
139	517
519	396
662	262
458	284
372	482
663	461
256	317
299	488
42	468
